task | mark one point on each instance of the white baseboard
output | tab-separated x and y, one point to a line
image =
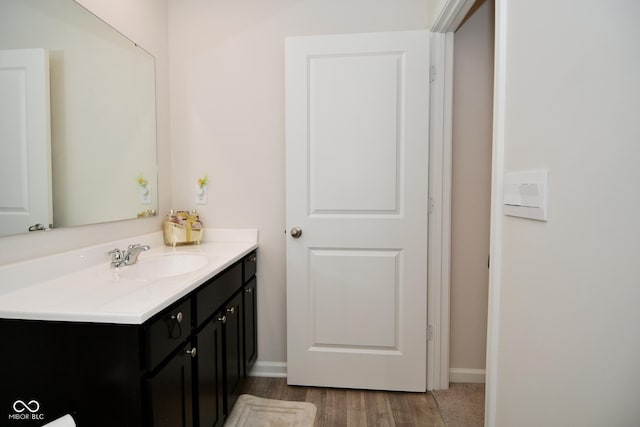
279	370
269	369
462	375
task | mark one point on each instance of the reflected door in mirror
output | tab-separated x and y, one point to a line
25	152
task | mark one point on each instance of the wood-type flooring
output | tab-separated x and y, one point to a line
353	408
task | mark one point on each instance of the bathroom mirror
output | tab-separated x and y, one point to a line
102	124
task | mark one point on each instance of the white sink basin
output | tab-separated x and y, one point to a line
155	267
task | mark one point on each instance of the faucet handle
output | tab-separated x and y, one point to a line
115	254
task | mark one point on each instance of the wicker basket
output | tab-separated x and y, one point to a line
188	232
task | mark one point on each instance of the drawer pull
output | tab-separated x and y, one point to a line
192	352
248	291
175	327
223	319
231	310
253	259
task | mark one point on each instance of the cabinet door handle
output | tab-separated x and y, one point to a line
253	259
249	291
231	310
177	317
192	352
222	319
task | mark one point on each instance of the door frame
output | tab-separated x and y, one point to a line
439	251
449	16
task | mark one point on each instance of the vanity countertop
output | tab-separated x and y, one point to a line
81	286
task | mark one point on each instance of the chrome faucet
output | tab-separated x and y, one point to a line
128	257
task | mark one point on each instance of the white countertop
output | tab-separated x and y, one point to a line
81	286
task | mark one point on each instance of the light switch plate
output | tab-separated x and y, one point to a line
145	195
526	194
201	195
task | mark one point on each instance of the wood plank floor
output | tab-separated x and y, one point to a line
353	408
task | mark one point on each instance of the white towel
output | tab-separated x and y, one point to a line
66	421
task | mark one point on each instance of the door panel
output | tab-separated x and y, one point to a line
233	351
355	276
170	393
210	386
353	114
357	157
25	151
250	320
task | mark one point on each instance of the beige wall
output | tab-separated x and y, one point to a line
471	190
145	22
227	116
568	325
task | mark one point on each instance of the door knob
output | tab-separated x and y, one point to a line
296	232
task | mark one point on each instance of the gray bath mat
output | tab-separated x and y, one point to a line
252	411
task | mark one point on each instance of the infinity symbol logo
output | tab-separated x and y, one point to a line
19	406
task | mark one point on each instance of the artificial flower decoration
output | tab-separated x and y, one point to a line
142	182
202	182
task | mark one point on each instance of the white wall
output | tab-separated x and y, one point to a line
145	22
227	116
471	192
568	290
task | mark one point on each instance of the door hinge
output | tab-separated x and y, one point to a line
433	73
432	205
430	333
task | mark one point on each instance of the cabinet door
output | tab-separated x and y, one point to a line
250	299
233	350
249	264
209	385
170	392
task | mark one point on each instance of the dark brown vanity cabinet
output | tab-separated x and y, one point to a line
181	368
222	334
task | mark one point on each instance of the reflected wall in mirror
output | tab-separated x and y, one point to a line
102	118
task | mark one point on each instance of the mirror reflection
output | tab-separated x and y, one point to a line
77	119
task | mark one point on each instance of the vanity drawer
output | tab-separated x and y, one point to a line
217	291
249	264
166	331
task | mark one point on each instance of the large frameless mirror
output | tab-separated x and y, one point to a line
77	119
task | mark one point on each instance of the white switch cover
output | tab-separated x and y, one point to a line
145	195
201	195
526	194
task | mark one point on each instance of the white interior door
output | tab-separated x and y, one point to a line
25	135
357	113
